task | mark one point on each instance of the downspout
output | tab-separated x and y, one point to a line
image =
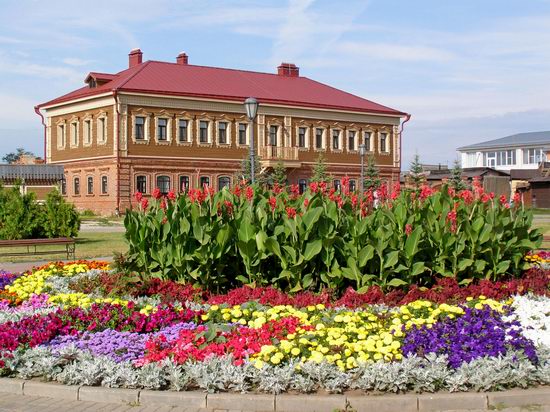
407	118
37	111
117	211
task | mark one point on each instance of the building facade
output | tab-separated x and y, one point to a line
32	178
177	125
520	151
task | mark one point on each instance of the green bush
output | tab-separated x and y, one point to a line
22	217
329	239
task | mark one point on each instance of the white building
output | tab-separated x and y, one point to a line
518	151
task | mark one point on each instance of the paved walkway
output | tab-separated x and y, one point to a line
19	403
23	266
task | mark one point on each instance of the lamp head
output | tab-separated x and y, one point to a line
362	149
251	106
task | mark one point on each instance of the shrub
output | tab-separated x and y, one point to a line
327	238
22	217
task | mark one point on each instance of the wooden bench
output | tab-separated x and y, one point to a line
69	244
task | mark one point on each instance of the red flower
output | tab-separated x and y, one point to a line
156	193
516	199
171	195
249	193
408	229
467	196
502	200
306	202
291	212
295	190
138	196
144	203
163	204
451	192
485	198
277	188
273	203
313	186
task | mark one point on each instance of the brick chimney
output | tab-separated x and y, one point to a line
182	58
288	69
135	57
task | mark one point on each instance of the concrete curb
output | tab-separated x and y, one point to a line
532	399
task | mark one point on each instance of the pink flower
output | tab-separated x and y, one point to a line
408	229
502	200
306	202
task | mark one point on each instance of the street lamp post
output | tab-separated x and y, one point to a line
362	152
251	106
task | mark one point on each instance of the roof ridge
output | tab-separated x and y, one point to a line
225	68
133	75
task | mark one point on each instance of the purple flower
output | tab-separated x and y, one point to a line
6	278
119	346
478	333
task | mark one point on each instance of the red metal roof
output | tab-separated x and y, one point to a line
164	78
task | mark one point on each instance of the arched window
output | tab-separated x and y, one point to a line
302	185
337	184
90	185
141	184
163	183
184	184
104	185
204	181
224	181
352	185
76	186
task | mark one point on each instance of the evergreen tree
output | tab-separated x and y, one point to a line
416	173
319	170
278	175
372	175
13	157
244	173
456	181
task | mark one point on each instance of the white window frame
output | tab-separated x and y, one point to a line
247	133
102	129
228	137
146	136
189	139
323	147
61	134
387	150
168	130
280	135
209	134
356	140
371	146
340	139
306	137
87	134
74	133
536	151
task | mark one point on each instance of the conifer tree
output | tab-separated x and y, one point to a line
372	175
278	175
416	173
320	170
456	181
244	173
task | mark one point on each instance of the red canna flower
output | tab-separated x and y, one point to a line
485	198
502	200
408	229
163	204
273	203
171	195
306	202
138	196
249	193
313	187
291	212
144	203
156	193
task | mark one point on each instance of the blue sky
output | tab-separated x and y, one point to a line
467	70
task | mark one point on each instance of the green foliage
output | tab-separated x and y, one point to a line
372	175
229	239
15	156
319	170
416	175
21	217
456	181
244	173
60	219
279	174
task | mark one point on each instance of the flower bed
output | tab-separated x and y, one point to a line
79	323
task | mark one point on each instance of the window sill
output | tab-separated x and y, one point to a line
140	141
303	149
102	143
180	143
104	194
206	144
163	142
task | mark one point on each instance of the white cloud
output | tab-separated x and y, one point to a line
399	52
75	61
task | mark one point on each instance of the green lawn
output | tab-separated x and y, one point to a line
88	245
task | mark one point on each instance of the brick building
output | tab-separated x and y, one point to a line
177	125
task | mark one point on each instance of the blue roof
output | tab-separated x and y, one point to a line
520	139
